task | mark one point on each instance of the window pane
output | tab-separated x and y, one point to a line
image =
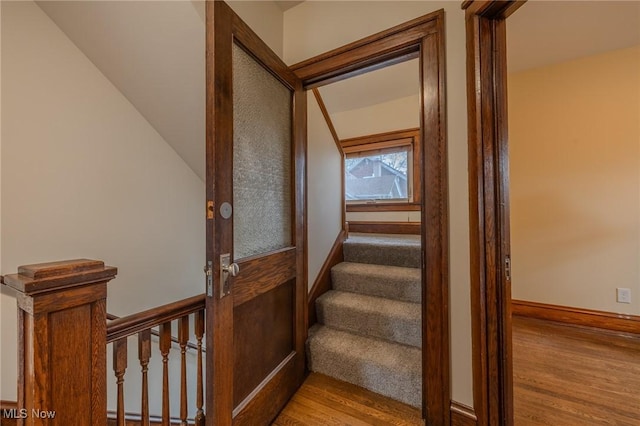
377	176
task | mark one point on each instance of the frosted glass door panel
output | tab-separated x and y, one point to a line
261	159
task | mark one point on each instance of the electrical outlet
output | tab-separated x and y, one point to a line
623	295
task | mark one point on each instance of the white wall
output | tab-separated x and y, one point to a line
574	140
84	175
314	27
324	189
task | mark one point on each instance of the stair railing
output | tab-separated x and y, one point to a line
63	333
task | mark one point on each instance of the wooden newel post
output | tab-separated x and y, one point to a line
62	325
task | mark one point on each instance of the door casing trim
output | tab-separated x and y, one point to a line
421	38
489	209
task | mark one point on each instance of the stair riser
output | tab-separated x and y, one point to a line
405	256
404	330
401	386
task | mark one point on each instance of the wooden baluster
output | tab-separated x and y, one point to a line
144	353
165	347
119	367
183	338
199	330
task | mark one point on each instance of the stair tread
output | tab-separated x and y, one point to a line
367	303
383	250
384	367
393	282
366	315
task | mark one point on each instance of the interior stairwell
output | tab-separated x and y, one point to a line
369	323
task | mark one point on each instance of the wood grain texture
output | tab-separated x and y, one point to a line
144	354
62	339
323	400
327	119
199	332
462	415
119	368
566	375
488	208
6	415
43	277
263	273
264	322
407	228
436	392
141	321
223	29
576	316
322	283
381	49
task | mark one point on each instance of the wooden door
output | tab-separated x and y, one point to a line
256	327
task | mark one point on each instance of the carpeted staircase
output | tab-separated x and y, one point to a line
369	324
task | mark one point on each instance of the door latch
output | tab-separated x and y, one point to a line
507	268
227	269
208	272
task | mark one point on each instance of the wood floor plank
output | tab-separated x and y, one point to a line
566	375
323	400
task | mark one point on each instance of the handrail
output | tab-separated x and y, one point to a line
145	320
156	333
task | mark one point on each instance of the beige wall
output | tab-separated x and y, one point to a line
324	189
315	27
265	18
85	175
574	137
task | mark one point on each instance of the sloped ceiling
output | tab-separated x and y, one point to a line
153	52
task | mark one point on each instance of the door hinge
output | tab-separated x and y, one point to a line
208	271
507	267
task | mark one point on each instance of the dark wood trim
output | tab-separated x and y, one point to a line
7	420
621	323
462	415
489	209
391	46
224	29
384	207
407	134
436	391
322	283
336	140
381	137
327	119
135	419
407	228
140	321
422	37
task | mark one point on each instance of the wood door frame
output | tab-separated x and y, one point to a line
421	38
489	209
229	29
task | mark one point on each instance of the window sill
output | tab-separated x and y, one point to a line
383	207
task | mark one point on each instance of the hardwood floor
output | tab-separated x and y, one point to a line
325	401
565	375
